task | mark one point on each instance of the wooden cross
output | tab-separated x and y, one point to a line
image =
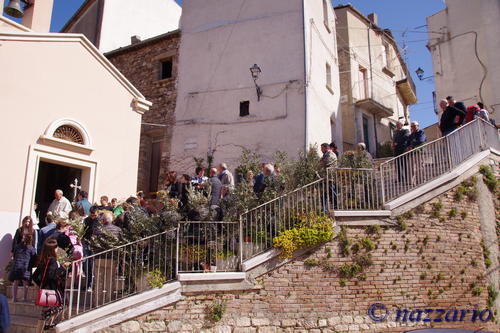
75	188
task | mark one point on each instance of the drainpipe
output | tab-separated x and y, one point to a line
306	132
370	60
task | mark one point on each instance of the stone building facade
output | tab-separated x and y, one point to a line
151	65
376	87
433	258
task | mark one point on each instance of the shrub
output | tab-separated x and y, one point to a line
344	242
216	311
349	270
367	244
311	262
452	212
354	160
477	291
492	296
156	279
373	229
489	178
319	231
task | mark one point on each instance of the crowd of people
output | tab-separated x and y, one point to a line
456	114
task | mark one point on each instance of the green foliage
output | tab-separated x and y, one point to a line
343	282
216	311
249	161
437	206
477	291
319	230
367	244
452	212
349	270
489	178
385	150
311	262
354	160
344	242
192	253
364	260
492	296
487	262
473	263
225	254
463	214
401	223
156	279
373	229
329	253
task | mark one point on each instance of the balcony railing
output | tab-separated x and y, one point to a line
126	270
209	246
416	167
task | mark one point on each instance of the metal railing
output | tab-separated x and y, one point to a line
262	223
354	189
111	275
207	246
418	166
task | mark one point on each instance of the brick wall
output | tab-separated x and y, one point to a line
140	63
436	262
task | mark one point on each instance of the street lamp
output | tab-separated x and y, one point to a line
255	70
420	73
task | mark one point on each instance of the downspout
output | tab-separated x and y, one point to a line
370	61
306	132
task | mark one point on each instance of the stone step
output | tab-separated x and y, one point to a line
32	292
28	310
21	324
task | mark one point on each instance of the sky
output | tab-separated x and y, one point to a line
397	15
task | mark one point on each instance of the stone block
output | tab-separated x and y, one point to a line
131	327
174	326
243	322
154	326
260	322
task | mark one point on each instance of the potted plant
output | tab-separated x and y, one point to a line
226	260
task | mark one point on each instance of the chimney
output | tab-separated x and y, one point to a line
135	39
373	17
37	17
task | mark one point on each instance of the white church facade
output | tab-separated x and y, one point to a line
67	114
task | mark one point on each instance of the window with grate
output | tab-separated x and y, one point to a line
69	133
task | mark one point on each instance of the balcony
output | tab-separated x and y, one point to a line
407	89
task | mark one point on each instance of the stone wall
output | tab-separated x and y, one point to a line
141	65
432	258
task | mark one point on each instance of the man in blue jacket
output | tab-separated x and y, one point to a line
417	136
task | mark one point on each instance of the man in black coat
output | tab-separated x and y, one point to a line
399	144
452	116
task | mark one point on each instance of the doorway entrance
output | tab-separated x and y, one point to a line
50	178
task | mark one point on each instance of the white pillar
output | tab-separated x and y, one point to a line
38	16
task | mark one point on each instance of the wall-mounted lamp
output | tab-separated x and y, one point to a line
420	73
14	8
255	70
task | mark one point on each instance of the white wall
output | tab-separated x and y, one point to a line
457	71
146	18
217	49
321	48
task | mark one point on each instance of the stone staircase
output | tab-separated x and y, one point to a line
24	316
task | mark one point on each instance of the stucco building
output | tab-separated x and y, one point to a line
68	113
464	44
109	24
376	88
218	109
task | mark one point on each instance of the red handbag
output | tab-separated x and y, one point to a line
47	297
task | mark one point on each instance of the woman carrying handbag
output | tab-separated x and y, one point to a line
50	278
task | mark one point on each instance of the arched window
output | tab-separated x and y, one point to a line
69	133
